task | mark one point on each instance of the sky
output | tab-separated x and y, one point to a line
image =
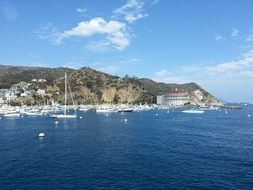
172	41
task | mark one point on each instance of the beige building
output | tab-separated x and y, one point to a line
173	99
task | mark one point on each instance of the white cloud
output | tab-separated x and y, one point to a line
133	17
96	25
81	10
232	67
114	31
219	37
234	32
8	11
229	80
131	11
112	34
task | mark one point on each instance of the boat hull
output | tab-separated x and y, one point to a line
194	111
12	115
64	116
125	110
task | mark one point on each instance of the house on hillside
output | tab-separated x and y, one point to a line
41	92
42	80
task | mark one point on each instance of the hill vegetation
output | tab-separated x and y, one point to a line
89	86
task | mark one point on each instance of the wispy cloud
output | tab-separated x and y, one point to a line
233	35
8	11
168	77
234	32
49	32
228	69
231	75
233	67
131	11
115	65
81	10
219	37
110	34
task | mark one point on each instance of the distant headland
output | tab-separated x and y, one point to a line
40	85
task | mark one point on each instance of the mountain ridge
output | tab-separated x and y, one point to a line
91	86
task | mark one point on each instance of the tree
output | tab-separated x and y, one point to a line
116	98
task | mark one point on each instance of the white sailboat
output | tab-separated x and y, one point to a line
65	115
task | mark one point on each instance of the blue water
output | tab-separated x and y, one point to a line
165	151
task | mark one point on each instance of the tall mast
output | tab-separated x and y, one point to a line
65	110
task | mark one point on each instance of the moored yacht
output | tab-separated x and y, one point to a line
65	115
125	110
105	109
12	114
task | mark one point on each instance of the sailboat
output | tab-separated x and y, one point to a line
65	115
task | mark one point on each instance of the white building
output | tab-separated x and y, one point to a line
41	92
42	80
1	100
9	96
173	99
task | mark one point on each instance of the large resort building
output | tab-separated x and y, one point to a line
173	99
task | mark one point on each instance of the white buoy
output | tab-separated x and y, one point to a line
22	116
56	122
249	115
156	114
168	111
107	115
41	135
0	118
81	117
125	120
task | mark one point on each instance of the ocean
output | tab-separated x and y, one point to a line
151	150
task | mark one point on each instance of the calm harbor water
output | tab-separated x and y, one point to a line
152	150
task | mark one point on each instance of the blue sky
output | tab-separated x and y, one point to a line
202	41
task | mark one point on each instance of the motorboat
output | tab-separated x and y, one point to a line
125	110
194	111
105	109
